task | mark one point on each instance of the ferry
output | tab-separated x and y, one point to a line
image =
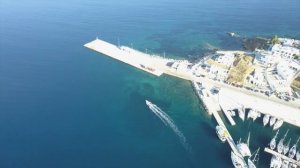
222	133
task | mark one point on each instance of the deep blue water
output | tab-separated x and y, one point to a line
62	105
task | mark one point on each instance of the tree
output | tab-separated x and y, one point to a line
275	40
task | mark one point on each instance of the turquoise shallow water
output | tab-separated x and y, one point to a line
62	105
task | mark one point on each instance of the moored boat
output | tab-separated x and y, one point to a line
286	147
292	151
280	145
272	121
237	161
244	147
298	156
276	162
241	112
222	133
273	141
285	164
251	162
266	119
278	124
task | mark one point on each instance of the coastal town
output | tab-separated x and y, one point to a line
248	84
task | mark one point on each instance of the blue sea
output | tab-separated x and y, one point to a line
65	106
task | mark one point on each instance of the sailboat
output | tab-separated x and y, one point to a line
276	162
286	147
255	159
266	119
292	151
285	164
278	124
280	144
273	141
244	147
237	161
272	121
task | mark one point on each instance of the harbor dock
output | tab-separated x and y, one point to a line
268	150
289	112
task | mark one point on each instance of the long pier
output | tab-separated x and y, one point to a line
282	156
287	111
211	107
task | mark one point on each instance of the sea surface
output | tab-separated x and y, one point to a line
64	106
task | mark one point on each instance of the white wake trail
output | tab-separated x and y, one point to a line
167	120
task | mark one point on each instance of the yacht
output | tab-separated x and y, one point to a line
237	161
280	145
278	124
276	162
273	141
286	147
222	133
272	121
292	151
266	119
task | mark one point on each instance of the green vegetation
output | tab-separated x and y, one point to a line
275	40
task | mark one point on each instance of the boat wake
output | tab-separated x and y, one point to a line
167	120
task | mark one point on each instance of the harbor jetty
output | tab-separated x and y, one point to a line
289	112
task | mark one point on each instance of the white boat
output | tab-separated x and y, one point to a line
272	121
266	119
280	145
244	147
291	165
292	151
255	159
285	164
286	147
278	124
222	133
237	161
298	156
241	113
276	162
231	112
253	114
273	141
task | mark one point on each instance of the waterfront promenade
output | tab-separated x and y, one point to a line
287	111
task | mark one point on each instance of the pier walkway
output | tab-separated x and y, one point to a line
282	156
287	111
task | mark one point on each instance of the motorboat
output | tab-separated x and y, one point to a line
222	133
266	119
278	124
276	162
272	121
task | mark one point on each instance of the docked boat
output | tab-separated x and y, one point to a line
285	164
251	162
298	156
237	161
292	151
266	119
286	147
253	114
280	145
272	121
244	147
278	124
273	141
222	133
291	165
241	112
276	162
231	113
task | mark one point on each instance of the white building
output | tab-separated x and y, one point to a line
285	51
